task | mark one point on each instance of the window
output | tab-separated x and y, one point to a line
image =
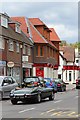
29	51
4	22
11	45
18	28
36	50
17	47
77	61
41	50
24	49
1	43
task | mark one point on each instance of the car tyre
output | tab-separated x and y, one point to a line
38	98
14	102
51	97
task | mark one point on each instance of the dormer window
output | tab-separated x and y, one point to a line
17	28
4	22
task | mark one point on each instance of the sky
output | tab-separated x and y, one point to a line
62	16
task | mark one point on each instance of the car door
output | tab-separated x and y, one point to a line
14	84
6	86
45	92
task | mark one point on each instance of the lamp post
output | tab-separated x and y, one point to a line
21	47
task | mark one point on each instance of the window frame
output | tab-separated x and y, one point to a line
11	45
4	22
2	43
17	47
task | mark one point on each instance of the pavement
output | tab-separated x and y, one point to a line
70	86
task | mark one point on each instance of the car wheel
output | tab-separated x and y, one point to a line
65	89
38	98
14	102
62	89
51	97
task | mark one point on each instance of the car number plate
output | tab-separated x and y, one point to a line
21	96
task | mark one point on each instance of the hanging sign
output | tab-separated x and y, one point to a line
10	64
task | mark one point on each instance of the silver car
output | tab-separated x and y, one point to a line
7	83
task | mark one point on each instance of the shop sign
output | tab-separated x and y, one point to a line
2	63
10	64
40	71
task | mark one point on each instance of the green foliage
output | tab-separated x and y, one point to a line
74	45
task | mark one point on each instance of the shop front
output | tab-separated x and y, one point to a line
2	68
14	70
27	69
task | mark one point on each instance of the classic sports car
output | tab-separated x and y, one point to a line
31	93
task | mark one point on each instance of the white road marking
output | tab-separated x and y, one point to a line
58	101
26	110
77	96
50	110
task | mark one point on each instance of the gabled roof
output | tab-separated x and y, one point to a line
23	23
26	24
33	32
68	53
38	22
11	34
54	36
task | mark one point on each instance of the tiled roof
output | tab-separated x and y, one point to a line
36	21
11	34
23	23
34	33
68	53
53	35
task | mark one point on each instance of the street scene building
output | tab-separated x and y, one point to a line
29	48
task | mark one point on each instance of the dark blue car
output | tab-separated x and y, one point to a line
51	84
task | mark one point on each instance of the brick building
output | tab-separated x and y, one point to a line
15	49
45	53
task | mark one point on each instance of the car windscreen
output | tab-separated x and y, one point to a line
31	80
58	80
47	80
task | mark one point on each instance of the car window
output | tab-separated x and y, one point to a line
31	79
13	80
7	80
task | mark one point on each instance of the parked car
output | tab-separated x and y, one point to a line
78	83
61	86
28	81
50	83
36	93
7	83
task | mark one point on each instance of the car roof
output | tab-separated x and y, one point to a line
4	76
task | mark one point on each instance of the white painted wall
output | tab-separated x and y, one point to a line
34	71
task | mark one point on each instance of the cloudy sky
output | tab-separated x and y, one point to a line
62	16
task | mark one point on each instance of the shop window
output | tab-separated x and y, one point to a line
70	75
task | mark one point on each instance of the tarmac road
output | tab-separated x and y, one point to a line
65	105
